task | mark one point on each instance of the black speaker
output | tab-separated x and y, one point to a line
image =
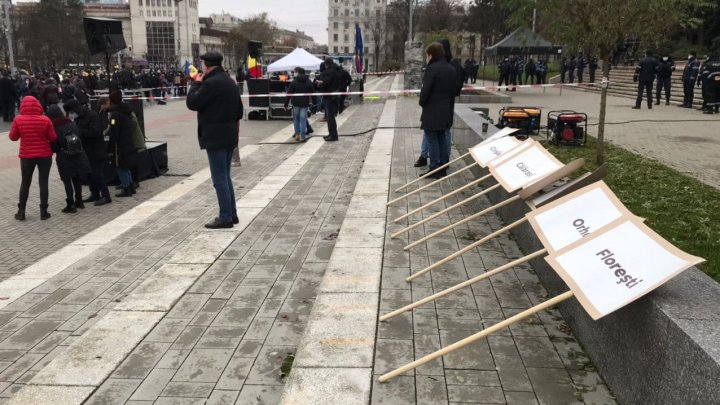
255	49
104	35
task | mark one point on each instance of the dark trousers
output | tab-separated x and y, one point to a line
647	88
27	168
688	92
438	148
663	82
580	75
572	76
504	78
98	186
530	77
592	75
8	109
220	164
73	190
562	76
330	113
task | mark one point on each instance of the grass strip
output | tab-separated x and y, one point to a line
682	209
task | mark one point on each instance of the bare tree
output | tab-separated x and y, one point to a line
259	28
378	30
439	15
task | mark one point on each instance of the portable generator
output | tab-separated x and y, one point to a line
566	127
526	119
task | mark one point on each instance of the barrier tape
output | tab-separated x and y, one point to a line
381	93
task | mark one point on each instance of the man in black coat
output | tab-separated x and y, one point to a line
505	73
645	76
689	76
301	104
665	69
571	65
91	134
8	96
216	99
330	81
436	99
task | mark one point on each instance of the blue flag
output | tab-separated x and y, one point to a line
358	49
186	69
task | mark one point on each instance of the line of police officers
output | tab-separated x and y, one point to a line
706	76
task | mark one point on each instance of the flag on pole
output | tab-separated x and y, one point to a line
186	68
358	49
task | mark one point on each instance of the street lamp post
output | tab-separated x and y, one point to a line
177	12
7	4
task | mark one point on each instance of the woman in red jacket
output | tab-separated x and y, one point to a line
35	132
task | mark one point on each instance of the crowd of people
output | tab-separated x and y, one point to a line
512	70
55	119
705	75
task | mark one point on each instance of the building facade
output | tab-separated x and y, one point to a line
342	17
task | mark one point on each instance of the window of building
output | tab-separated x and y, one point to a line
347	12
335	25
335	49
347	49
346	38
140	2
141	13
160	43
367	50
346	24
335	12
357	12
335	37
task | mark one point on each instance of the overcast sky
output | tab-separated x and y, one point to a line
306	15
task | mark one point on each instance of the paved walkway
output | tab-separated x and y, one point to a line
167	312
684	139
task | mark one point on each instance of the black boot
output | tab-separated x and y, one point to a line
126	192
422	161
102	201
20	216
70	207
79	203
92	198
44	214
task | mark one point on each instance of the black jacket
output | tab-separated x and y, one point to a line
7	89
121	141
69	166
691	70
300	84
665	68
646	69
331	79
219	107
91	133
437	96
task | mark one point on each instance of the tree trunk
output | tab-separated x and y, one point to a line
600	158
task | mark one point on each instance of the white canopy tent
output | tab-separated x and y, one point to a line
297	58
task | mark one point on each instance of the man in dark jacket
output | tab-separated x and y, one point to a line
300	85
8	96
563	69
330	81
581	64
120	143
91	133
505	73
436	99
571	65
592	67
530	72
216	99
346	81
665	69
710	81
645	76
689	76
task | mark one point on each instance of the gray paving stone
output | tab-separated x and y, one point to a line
234	375
203	366
43	394
552	386
29	335
259	395
513	375
266	369
399	391
219	397
187	389
114	391
336	385
221	337
431	390
520	398
142	360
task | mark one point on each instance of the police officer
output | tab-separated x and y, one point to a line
710	80
519	68
563	69
645	76
581	64
513	72
505	72
571	69
665	69
689	76
592	67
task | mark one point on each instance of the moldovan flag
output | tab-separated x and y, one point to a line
254	69
576	215
616	265
523	166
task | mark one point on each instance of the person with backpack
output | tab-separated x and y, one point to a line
300	104
72	162
120	144
91	134
35	132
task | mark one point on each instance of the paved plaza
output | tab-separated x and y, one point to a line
137	303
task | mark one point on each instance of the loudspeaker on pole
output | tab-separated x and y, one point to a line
104	35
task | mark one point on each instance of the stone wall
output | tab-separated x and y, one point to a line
661	349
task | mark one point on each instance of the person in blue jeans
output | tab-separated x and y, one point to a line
215	98
437	100
300	85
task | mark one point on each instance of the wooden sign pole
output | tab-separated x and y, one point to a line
470	339
434	183
463	221
432	172
467	248
437	200
464	284
446	210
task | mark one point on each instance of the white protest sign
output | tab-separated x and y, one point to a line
576	215
484	153
505	132
617	265
523	167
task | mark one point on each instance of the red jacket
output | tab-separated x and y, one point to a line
34	130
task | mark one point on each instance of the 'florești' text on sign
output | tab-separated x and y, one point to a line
607	257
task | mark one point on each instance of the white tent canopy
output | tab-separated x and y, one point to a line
297	58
